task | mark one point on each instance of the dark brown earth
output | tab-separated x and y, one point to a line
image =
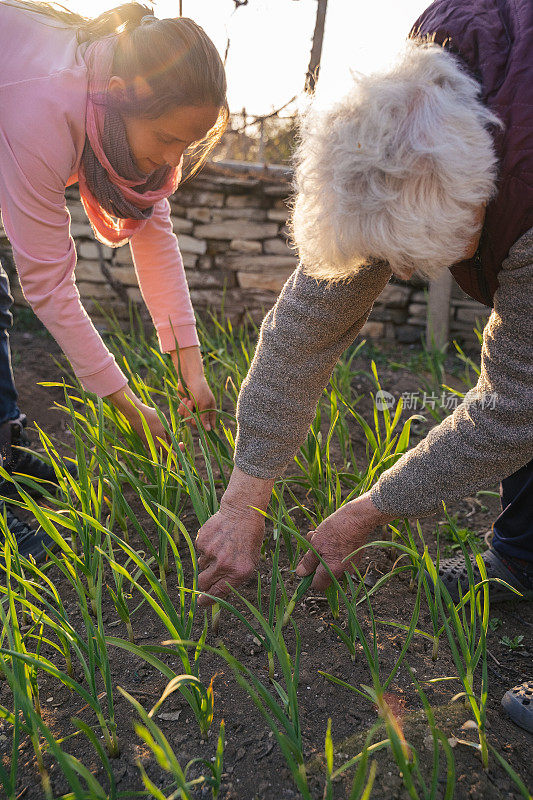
253	764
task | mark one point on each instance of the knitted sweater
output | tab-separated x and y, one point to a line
488	437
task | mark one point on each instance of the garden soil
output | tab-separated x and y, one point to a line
253	764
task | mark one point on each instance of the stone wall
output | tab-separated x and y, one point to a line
231	224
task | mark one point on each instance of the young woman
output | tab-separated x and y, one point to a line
113	103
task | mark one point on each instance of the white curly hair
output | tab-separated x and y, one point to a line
396	171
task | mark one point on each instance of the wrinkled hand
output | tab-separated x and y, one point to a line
229	544
337	537
228	547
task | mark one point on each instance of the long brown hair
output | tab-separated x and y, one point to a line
174	56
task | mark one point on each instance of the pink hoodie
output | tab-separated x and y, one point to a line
43	92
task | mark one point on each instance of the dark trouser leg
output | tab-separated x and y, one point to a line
8	393
513	529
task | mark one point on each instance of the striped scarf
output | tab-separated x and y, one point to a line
117	197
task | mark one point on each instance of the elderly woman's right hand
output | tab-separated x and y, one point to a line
229	544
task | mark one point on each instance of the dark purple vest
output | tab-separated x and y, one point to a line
494	40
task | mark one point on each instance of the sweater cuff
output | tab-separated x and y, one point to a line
104	382
375	496
258	471
382	495
184	335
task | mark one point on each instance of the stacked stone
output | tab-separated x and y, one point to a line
231	223
231	227
465	315
389	315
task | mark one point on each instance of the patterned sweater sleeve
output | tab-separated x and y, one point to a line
490	435
301	338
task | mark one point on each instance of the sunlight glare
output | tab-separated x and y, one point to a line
270	42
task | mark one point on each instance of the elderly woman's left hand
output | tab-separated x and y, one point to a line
337	537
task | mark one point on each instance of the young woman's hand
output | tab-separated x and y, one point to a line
193	389
132	408
152	420
201	399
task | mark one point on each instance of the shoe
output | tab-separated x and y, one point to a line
12	438
30	542
518	703
453	572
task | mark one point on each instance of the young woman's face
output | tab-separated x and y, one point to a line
162	141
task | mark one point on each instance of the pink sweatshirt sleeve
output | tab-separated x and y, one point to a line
162	280
36	220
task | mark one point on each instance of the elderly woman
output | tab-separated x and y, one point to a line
414	171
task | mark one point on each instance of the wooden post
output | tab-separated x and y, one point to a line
438	310
316	49
262	141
